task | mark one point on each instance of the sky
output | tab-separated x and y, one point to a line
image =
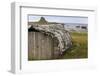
60	19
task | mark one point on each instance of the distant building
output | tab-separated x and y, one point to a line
76	27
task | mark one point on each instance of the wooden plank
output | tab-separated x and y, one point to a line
35	46
33	38
41	35
44	47
40	46
52	47
31	41
50	44
47	47
30	45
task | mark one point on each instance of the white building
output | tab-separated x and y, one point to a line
75	27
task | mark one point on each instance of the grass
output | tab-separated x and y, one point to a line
79	48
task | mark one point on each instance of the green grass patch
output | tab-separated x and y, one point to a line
79	48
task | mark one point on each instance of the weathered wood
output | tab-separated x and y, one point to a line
40	46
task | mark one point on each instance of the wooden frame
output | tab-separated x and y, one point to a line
16	35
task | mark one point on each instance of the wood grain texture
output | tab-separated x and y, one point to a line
40	46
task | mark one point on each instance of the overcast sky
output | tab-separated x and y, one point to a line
59	19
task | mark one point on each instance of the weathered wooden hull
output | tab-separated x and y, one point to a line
40	46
